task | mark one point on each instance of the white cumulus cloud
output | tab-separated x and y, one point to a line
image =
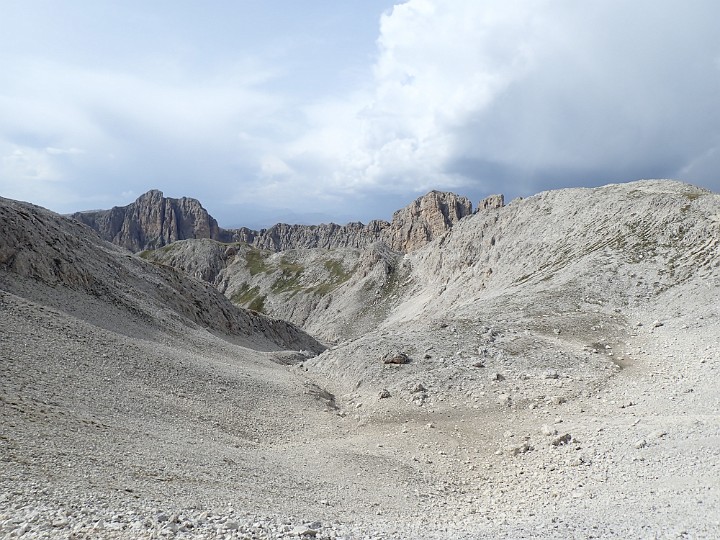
523	95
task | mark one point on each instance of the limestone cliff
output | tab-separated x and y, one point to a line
282	236
152	221
412	227
425	219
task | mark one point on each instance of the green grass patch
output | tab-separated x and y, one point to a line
245	294
288	281
258	304
256	262
290	267
337	272
290	275
338	276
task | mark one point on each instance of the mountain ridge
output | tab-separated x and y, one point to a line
154	221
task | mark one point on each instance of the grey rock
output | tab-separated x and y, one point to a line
425	219
561	440
642	443
304	530
492	202
518	449
396	358
152	221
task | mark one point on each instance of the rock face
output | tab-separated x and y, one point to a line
282	236
493	202
412	227
427	218
152	221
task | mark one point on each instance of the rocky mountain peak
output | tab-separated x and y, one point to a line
425	219
153	194
152	221
492	202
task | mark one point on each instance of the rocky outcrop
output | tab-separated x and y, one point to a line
425	219
493	202
152	221
282	236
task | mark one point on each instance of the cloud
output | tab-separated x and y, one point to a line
520	96
64	151
29	164
470	96
100	128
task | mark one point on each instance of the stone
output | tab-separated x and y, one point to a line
561	440
303	530
497	377
518	449
418	388
412	227
384	393
398	358
551	374
547	430
642	443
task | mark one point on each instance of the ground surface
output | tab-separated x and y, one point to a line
577	406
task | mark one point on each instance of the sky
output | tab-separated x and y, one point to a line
346	110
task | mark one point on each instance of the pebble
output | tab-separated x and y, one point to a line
302	530
561	440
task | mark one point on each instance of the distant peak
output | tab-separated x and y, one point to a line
152	194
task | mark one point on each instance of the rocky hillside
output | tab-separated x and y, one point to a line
152	221
48	257
536	243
